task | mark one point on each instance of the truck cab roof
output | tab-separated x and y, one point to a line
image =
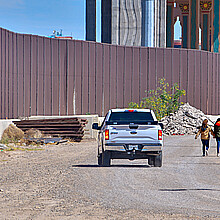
130	110
132	115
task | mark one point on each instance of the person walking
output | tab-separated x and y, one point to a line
217	134
205	130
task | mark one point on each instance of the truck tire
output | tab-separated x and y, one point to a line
106	159
100	159
158	160
151	161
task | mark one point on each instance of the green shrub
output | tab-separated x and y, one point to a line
163	101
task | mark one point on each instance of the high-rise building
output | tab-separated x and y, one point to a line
128	22
134	22
151	22
107	19
91	20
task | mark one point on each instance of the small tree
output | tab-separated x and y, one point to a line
163	101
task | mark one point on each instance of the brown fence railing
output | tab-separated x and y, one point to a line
43	76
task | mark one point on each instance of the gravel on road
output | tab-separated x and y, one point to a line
64	182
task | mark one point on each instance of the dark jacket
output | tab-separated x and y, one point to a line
217	129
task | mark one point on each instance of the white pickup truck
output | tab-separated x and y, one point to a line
130	134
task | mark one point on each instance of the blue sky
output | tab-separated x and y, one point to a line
41	17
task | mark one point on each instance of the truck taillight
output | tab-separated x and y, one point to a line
160	135
106	134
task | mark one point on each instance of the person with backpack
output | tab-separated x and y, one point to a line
217	134
205	130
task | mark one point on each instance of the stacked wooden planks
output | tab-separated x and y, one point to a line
60	127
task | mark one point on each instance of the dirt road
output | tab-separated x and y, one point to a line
64	182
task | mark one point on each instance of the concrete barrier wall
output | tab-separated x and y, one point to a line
43	76
3	125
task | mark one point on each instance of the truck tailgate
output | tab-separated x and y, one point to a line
143	134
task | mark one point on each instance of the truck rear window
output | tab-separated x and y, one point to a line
130	117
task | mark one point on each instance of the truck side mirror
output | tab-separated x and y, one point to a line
161	125
96	126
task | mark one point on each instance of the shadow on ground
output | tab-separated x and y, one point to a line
210	156
217	164
118	165
180	190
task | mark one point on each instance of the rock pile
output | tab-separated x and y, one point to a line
185	121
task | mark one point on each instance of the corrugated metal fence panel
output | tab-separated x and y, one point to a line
4	70
214	88
85	80
216	83
106	79
120	76
197	85
1	73
184	73
6	74
152	68
135	95
1	56
20	70
99	79
42	76
34	75
15	78
217	86
47	78
204	81
210	83
55	77
160	63
144	72
175	66
78	76
216	92
9	75
113	76
63	76
92	78
168	66
191	77
218	100
27	75
71	77
128	76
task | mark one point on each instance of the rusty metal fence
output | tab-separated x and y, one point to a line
43	76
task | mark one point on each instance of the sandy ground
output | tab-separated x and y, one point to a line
64	182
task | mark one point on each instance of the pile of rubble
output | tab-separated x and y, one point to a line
185	121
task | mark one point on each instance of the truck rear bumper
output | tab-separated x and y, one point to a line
145	148
132	155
